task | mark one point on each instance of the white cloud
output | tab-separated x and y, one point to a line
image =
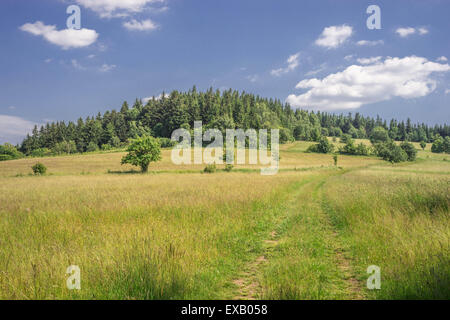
405	32
144	25
369	60
91	56
66	38
159	97
118	8
349	57
369	43
407	77
332	37
77	65
292	64
423	30
442	59
107	67
14	129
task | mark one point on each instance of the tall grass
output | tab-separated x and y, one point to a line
398	221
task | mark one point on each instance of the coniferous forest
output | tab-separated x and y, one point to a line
159	117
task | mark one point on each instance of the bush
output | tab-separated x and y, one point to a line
228	167
39	169
423	145
41	152
345	138
115	142
65	147
9	152
324	146
441	145
352	149
210	168
106	147
92	146
410	150
379	134
285	135
391	152
167	143
5	157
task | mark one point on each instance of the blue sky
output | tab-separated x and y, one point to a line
316	55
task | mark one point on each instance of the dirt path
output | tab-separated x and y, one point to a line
248	282
249	287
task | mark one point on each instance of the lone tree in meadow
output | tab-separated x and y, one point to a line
142	151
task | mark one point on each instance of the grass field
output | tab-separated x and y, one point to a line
309	232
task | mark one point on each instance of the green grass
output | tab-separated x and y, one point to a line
309	232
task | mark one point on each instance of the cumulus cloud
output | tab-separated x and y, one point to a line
332	37
107	67
369	43
370	60
14	129
66	38
405	32
408	77
144	25
442	59
159	97
118	8
292	64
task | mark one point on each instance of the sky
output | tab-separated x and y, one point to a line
315	55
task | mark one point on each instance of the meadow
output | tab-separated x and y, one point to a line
309	232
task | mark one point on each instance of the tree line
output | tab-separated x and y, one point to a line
159	117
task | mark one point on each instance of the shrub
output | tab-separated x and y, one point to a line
379	134
441	145
39	169
106	147
391	152
5	157
41	152
410	150
345	138
9	152
228	167
210	168
65	147
166	143
92	146
285	135
142	151
324	146
362	150
335	159
115	142
423	145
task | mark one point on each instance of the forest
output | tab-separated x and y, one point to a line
229	109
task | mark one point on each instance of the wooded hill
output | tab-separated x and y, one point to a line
222	110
